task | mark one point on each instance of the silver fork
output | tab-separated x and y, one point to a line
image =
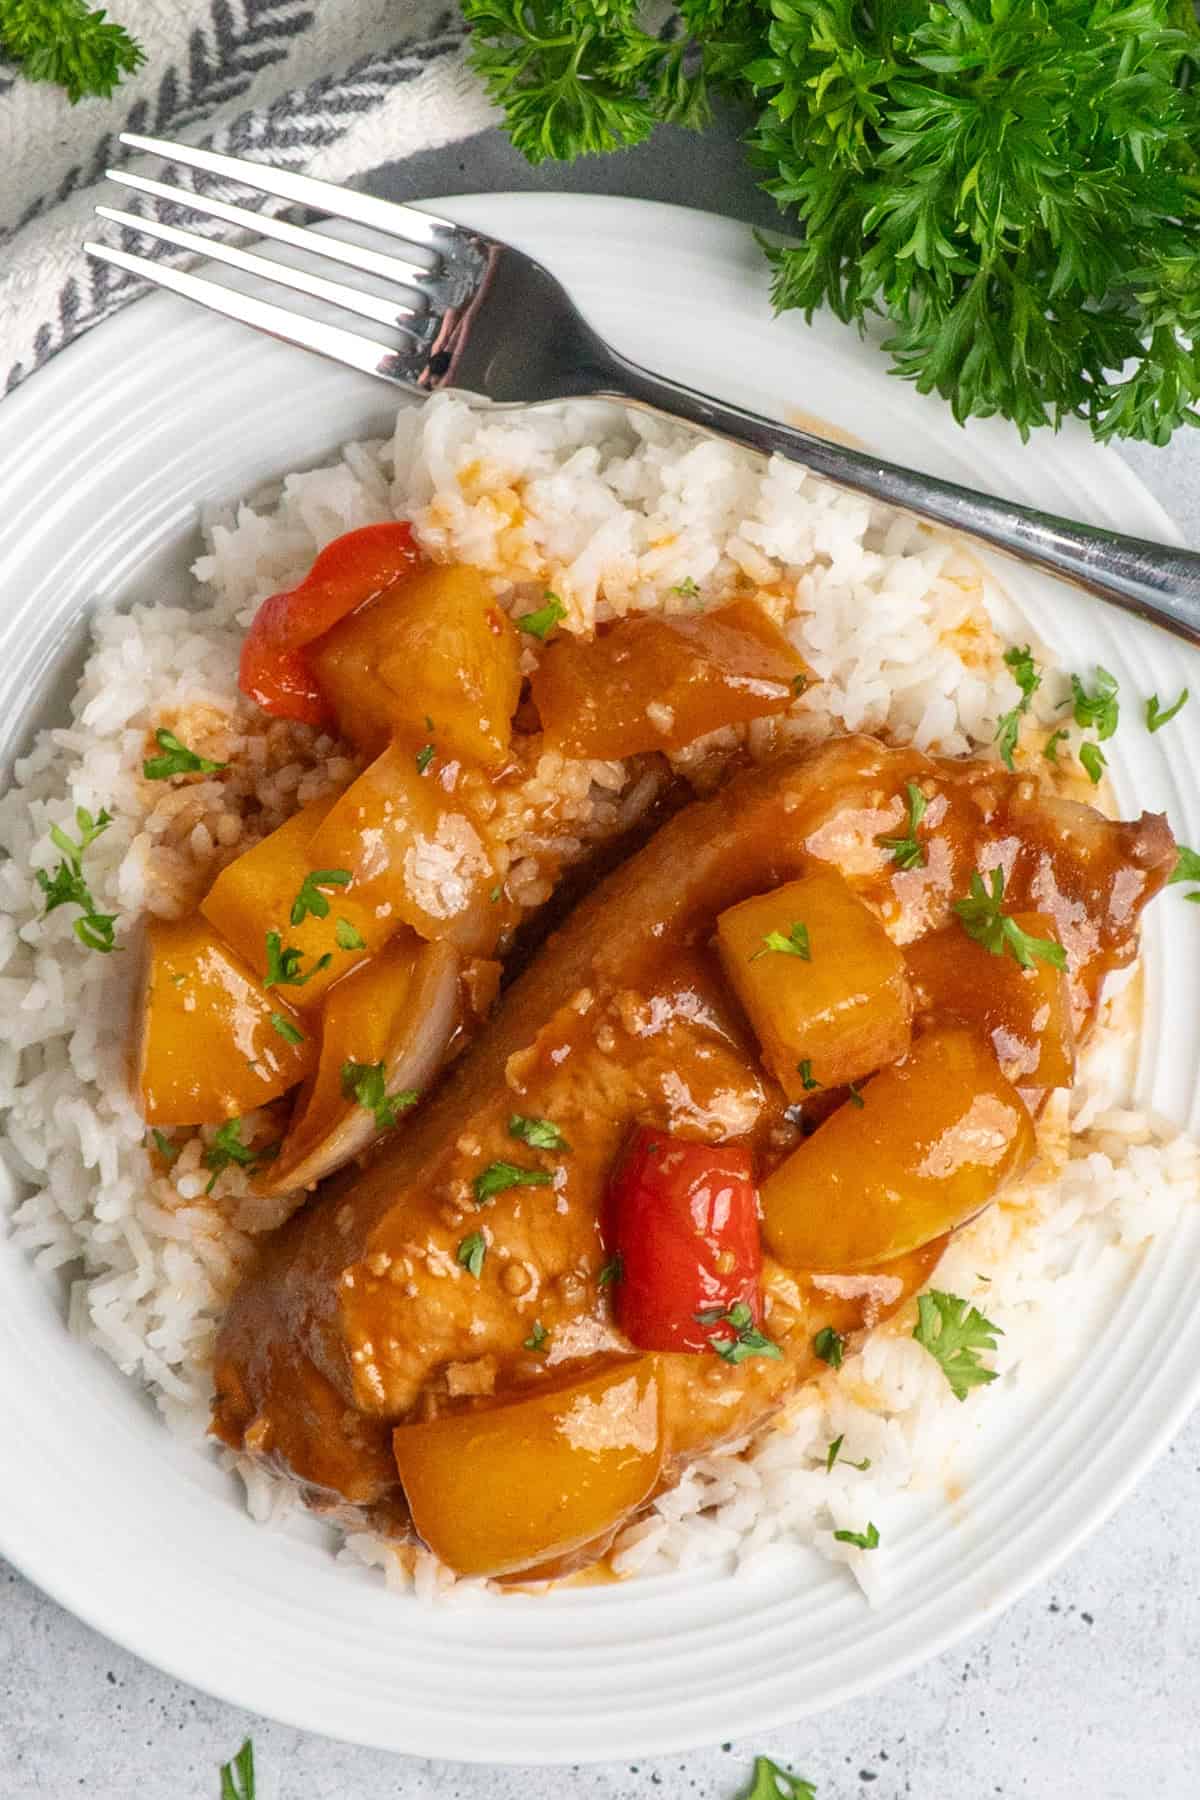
479	315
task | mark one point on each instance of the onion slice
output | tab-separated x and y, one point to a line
399	1010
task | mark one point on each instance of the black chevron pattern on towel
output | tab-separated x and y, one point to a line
222	62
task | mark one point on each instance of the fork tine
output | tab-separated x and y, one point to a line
389	216
353	256
367	306
310	334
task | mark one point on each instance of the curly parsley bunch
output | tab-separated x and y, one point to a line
1014	186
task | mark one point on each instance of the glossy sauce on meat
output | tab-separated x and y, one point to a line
361	1316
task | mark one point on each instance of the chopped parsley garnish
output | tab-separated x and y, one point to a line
853	1095
794	944
1024	672
835	1451
541	623
1050	747
746	1340
166	1149
499	1176
365	1083
177	759
801	684
1100	709
862	1540
67	887
286	1029
1156	719
907	851
612	1272
807	1081
537	1337
310	899
954	1334
424	757
237	1777
227	1147
494	896
471	1253
539	1134
770	1782
830	1346
283	966
1093	759
686	589
348	936
984	919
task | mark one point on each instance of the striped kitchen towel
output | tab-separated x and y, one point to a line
333	87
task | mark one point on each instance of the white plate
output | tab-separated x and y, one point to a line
105	458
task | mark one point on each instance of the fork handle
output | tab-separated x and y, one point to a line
1160	582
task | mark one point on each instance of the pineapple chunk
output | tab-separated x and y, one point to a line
255	897
652	683
414	856
433	659
1025	1012
821	982
920	1151
208	1049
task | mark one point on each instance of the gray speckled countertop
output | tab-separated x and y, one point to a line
1088	1687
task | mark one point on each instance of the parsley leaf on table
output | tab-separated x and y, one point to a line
237	1777
769	1782
65	42
983	918
954	1335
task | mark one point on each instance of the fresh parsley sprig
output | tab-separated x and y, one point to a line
67	887
1011	188
65	42
955	1334
983	918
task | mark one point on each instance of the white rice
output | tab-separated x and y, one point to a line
612	513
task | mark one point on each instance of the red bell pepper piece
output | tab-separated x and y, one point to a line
684	1223
353	569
